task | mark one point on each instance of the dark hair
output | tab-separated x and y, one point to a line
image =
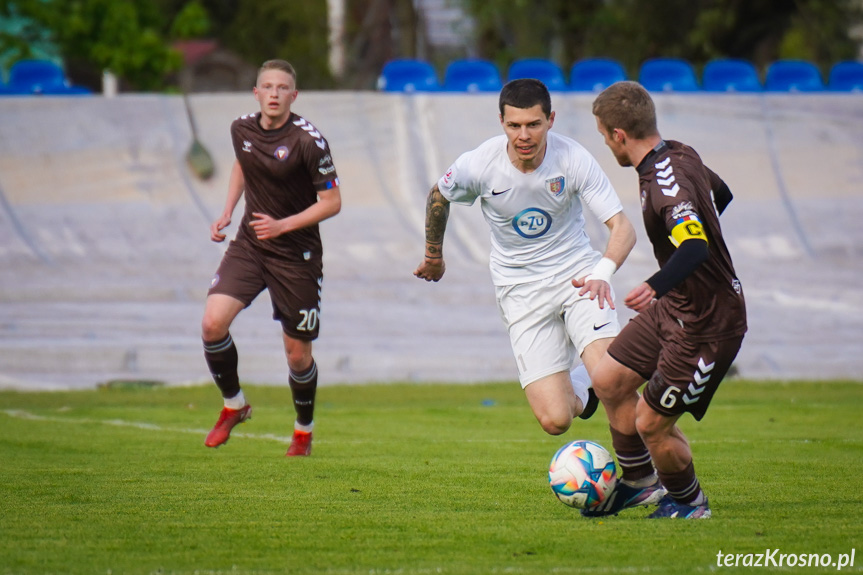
525	93
626	106
282	65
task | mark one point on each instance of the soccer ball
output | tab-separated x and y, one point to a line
582	474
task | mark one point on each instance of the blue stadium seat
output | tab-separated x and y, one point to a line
39	77
472	75
730	75
407	75
846	76
668	75
793	76
543	70
33	76
13	91
595	74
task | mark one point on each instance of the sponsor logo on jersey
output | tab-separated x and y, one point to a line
532	223
325	160
215	281
735	285
643	200
281	153
496	193
307	127
683	210
247	146
555	185
327	170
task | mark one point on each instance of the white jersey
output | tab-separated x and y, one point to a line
536	219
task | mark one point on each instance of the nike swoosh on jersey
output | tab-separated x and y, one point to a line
599	327
494	193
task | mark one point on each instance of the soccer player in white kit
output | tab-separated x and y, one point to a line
553	288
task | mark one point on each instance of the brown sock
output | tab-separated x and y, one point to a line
222	360
303	388
682	485
632	454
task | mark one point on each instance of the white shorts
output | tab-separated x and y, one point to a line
549	324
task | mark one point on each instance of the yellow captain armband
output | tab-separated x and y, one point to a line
687	230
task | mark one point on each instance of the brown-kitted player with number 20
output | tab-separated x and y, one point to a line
285	169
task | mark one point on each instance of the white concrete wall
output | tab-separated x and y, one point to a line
105	257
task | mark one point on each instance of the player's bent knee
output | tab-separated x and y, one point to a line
554	425
649	423
646	429
299	361
298	352
603	387
608	390
213	328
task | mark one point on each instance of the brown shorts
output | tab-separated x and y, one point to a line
682	374
295	288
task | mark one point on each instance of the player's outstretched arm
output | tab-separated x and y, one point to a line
432	267
236	185
620	243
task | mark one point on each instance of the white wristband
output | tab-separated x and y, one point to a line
603	270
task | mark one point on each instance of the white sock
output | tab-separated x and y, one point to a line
699	499
643	482
580	383
304	428
236	402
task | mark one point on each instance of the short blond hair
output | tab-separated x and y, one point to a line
626	106
282	65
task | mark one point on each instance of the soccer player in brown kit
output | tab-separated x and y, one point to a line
284	167
691	320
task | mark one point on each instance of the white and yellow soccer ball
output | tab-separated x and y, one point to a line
582	474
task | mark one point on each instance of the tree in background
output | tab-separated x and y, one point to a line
296	31
766	30
130	38
631	31
133	38
819	31
377	31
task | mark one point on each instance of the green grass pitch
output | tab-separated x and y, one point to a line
406	479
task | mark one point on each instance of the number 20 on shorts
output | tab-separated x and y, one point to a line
309	321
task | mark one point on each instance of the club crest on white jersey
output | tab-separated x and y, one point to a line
555	186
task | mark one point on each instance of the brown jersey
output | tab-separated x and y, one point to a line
676	187
284	169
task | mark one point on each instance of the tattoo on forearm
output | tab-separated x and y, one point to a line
437	213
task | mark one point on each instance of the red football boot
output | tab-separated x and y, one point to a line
227	420
301	444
